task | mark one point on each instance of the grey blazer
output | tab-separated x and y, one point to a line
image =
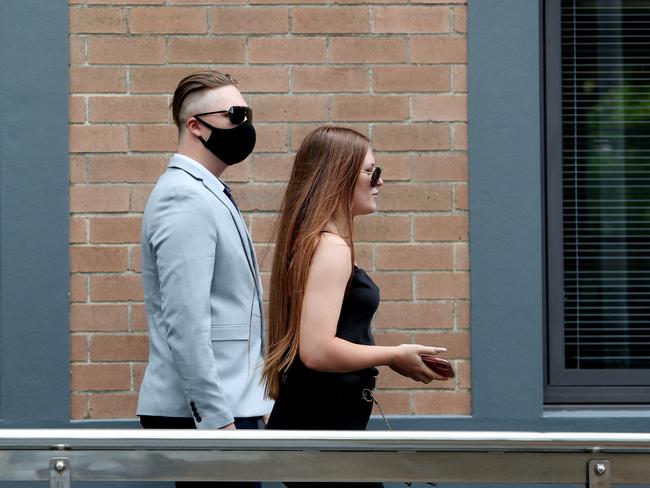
203	297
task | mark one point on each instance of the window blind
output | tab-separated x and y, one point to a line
606	183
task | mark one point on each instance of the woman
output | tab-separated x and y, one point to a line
321	358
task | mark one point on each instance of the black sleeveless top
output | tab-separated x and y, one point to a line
360	303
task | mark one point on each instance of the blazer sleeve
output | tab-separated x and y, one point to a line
183	236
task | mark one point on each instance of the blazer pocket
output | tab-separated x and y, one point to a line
229	332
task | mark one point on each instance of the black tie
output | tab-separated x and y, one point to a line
226	190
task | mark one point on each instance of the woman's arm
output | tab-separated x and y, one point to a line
320	349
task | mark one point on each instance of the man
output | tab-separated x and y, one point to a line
202	288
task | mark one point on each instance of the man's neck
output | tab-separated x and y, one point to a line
204	158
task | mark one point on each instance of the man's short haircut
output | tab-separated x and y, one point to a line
202	80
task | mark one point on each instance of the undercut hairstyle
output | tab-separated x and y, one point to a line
194	83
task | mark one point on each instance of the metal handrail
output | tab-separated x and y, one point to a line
66	455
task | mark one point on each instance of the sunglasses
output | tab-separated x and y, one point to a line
375	174
236	114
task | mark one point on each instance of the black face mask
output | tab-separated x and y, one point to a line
231	146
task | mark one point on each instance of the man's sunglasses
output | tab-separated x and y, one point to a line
236	114
375	174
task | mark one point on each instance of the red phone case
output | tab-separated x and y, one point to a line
438	365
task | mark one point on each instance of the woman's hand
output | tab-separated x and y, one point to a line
406	361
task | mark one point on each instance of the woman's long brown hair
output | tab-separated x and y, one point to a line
324	173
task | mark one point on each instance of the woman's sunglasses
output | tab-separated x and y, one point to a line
236	114
375	174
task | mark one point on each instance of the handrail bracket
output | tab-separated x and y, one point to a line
599	474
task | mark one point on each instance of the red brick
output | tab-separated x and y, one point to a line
288	2
439	50
78	288
129	108
265	253
98	258
443	403
153	137
461	197
367	50
169	20
440	107
100	377
77	168
110	288
138	317
441	1
395	166
97	79
329	79
461	257
263	79
442	285
411	78
250	20
440	167
286	50
126	169
126	50
115	230
156	79
459	77
112	406
271	137
458	344
311	20
137	373
464	374
290	108
97	138
95	198
206	2
78	232
77	50
258	197
272	167
394	285
410	315
78	348
76	109
206	50
460	136
410	197
97	20
363	255
119	348
262	227
440	227
462	315
300	131
460	19
135	259
126	2
414	257
78	406
352	2
238	173
393	402
399	20
139	197
414	137
370	107
385	338
92	317
382	227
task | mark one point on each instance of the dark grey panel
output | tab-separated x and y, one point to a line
34	359
505	209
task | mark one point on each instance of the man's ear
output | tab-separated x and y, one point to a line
194	126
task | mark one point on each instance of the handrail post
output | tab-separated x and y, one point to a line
599	474
59	472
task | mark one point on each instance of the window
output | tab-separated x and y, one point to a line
598	200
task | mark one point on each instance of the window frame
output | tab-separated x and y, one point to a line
563	386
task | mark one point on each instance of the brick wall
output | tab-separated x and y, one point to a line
395	70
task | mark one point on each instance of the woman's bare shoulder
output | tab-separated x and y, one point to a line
332	254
